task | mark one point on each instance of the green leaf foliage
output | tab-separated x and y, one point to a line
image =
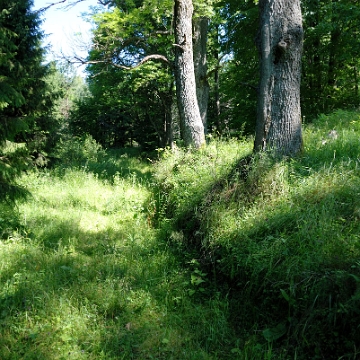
331	56
128	107
330	76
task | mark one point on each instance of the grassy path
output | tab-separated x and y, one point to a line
88	278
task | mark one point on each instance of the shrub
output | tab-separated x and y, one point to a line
78	152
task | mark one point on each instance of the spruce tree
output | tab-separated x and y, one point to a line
22	88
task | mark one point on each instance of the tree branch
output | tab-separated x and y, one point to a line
50	5
67	6
105	2
159	57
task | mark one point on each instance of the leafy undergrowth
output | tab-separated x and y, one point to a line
281	238
212	254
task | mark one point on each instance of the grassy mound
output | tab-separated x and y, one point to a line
282	238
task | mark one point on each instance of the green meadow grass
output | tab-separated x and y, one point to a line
86	276
214	254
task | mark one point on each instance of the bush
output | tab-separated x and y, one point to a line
78	152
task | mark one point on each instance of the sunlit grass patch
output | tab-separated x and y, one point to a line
88	277
78	265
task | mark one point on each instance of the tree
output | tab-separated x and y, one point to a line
65	88
135	33
132	89
331	62
23	99
200	33
238	75
126	107
279	42
190	119
204	14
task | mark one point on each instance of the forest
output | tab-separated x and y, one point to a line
195	194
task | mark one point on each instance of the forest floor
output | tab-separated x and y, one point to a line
192	255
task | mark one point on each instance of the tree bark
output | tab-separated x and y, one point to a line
168	124
280	42
356	84
190	120
201	25
333	46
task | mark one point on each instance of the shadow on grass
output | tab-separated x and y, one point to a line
97	295
125	163
125	293
289	257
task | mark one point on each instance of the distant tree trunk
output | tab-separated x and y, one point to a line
356	84
332	70
217	102
190	120
315	81
201	25
169	135
217	109
280	45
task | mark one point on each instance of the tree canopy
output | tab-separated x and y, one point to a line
129	34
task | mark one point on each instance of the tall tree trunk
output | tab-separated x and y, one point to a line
333	46
169	135
217	109
280	43
356	84
217	112
190	120
201	25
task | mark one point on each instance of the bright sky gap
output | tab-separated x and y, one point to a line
67	31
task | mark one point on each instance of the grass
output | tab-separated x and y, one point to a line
199	255
86	276
281	238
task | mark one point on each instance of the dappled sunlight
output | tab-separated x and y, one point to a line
91	278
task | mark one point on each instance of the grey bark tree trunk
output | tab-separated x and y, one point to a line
201	25
280	43
190	120
216	103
